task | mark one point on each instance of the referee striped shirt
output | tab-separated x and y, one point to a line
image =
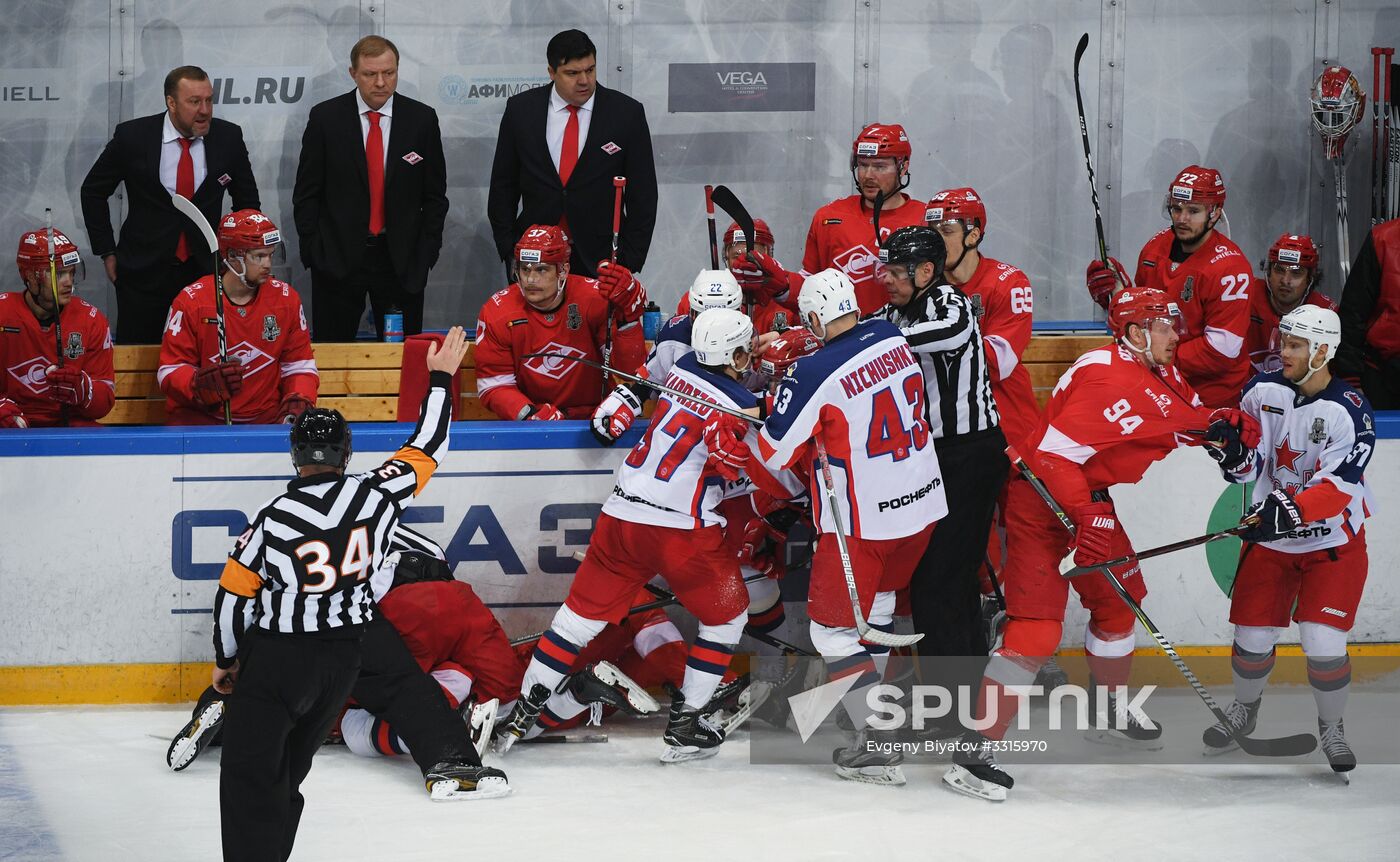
311	561
943	333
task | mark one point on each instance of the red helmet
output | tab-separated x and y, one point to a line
962	204
787	348
1198	185
1337	106
33	254
543	243
1294	250
245	230
880	141
762	235
1137	305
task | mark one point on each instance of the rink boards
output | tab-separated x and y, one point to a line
113	540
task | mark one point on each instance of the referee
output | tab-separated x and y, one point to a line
293	602
939	322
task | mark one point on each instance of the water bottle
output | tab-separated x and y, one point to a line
393	324
651	321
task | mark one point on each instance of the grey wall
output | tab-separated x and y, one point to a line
984	88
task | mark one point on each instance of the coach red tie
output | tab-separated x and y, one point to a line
374	161
184	187
568	151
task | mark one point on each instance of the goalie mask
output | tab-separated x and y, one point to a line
1338	105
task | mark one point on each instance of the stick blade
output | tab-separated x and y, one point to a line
1283	746
890	639
729	202
1080	49
191	212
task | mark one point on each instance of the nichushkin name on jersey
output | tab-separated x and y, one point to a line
877	369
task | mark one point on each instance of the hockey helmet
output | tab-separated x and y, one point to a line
245	230
1293	250
543	243
718	333
913	245
879	140
1139	305
715	288
787	348
322	437
33	254
829	295
960	204
1196	184
1316	325
761	234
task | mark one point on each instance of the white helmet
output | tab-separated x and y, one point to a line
718	332
1318	326
715	288
829	294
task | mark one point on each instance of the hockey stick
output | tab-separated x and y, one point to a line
1392	141
1284	746
1377	108
651	384
1088	157
995	579
762	637
1339	174
1159	551
729	202
619	183
866	631
710	218
53	286
191	212
880	199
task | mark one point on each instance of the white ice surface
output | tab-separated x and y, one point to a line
90	783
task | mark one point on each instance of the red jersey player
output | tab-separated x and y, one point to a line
39	387
270	375
550	310
1290	276
1207	280
1369	355
1113	413
763	295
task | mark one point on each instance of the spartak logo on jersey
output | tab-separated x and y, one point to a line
857	263
555	367
32	374
249	356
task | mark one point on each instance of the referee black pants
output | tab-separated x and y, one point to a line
944	593
289	691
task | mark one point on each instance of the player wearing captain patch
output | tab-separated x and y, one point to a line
1290	277
40	388
1305	559
270	375
550	310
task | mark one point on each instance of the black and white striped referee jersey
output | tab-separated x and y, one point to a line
311	561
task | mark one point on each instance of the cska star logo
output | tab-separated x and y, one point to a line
1286	457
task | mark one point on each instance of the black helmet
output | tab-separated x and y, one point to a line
911	246
320	436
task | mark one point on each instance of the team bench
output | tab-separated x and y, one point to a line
361	380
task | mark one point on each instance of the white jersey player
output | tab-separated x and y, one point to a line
1307	554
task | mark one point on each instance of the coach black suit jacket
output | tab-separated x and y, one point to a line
152	227
330	201
523	176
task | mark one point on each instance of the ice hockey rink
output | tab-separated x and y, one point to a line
88	783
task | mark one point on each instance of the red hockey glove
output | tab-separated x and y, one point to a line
757	272
11	416
615	415
1274	518
1104	281
1095	525
543	413
218	383
622	290
293	405
763	547
1244	425
729	454
68	385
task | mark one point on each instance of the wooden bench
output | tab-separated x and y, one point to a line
1048	356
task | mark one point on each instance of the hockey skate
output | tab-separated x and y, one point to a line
481	720
1219	739
198	732
1124	731
1334	745
604	683
690	734
461	782
773	706
867	761
1051	676
975	771
735	701
521	719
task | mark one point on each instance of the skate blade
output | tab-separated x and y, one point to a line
966	783
686	753
888	776
448	790
749	700
560	738
483	721
502	743
185	748
1117	740
1211	751
638	700
1344	775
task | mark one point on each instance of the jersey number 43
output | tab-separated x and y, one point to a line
889	434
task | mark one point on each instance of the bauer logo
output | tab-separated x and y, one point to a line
736	87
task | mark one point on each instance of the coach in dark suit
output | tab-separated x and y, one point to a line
558	150
184	149
370	198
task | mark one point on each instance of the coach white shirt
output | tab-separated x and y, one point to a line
386	119
559	118
170	156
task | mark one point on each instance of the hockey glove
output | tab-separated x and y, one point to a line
1273	519
729	454
216	384
542	413
1245	425
1095	525
293	405
10	415
622	290
615	415
763	548
759	273
68	385
1104	281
